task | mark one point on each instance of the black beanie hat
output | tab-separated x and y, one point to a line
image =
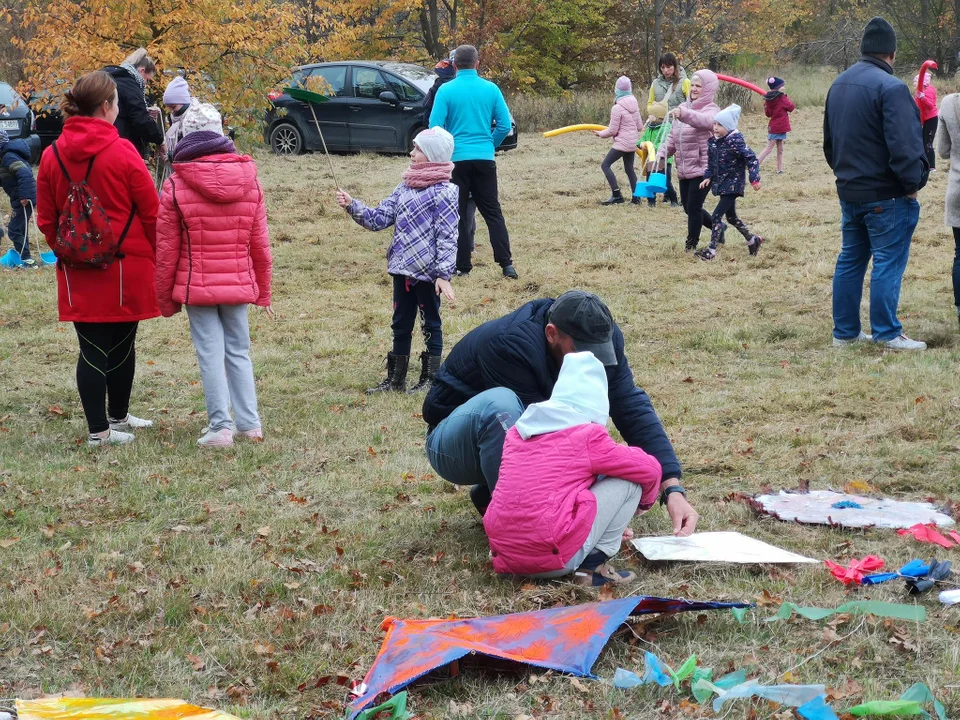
879	38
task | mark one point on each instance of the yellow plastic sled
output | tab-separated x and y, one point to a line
114	709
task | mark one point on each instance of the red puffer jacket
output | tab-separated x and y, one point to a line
213	246
124	292
778	107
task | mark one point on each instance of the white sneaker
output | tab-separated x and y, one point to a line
217	438
904	343
113	437
130	423
861	338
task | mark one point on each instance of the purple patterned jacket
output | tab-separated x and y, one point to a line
424	245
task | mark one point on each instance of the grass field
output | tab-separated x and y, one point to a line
237	578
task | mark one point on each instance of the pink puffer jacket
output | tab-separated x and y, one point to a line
625	124
542	508
213	246
687	141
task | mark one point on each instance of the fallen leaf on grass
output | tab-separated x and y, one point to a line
848	689
579	686
9	542
264	531
55	410
198	663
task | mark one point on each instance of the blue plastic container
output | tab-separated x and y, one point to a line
657	182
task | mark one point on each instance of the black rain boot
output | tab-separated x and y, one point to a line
429	364
615	199
396	375
481	498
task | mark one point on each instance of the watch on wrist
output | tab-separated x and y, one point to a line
667	491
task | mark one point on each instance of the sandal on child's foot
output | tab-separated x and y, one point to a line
603	575
708	253
754	244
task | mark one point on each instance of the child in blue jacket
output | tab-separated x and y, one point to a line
16	178
729	160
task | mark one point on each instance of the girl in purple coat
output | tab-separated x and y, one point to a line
729	158
422	256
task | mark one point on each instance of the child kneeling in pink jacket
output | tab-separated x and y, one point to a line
567	491
213	255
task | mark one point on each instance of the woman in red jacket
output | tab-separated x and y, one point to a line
929	116
213	255
105	306
776	106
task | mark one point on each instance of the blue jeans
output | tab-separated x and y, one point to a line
18	231
467	446
882	230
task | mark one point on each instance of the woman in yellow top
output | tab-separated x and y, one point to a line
668	90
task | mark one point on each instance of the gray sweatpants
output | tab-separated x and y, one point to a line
617	502
221	336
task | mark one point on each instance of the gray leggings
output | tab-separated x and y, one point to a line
617	502
221	336
610	159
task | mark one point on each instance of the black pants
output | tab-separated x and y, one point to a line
411	298
670	195
692	199
607	167
727	207
108	359
956	268
929	133
479	178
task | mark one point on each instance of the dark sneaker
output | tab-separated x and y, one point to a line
707	254
603	575
754	244
510	272
615	199
461	273
691	245
30	264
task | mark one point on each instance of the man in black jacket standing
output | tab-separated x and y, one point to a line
506	364
135	122
873	142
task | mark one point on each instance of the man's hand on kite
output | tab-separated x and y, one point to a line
681	512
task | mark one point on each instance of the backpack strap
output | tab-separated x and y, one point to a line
63	167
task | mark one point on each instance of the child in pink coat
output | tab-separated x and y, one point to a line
567	491
929	117
625	127
213	256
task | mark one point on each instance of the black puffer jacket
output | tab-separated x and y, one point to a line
511	352
134	122
872	136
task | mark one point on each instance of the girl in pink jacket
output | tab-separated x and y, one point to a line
566	491
625	126
929	116
687	144
213	255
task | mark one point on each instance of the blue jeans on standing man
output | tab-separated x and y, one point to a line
881	230
467	446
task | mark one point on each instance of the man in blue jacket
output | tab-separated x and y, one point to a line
506	364
16	178
474	112
873	142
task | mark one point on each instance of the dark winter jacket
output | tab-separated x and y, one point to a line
432	95
511	352
872	136
16	175
777	107
134	122
730	158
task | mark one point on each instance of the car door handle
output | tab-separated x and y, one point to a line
355	108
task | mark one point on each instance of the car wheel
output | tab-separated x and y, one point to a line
285	139
413	133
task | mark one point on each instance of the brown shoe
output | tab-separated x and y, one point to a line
604	575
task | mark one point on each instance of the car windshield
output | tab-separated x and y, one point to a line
8	97
419	77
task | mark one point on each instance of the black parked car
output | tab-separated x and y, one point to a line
16	119
373	106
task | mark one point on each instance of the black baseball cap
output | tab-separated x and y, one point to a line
584	317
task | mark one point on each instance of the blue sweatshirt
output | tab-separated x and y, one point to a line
467	107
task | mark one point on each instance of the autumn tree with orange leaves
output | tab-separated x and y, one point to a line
229	51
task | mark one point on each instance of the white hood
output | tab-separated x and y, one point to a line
579	397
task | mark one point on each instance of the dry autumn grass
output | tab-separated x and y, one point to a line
240	578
